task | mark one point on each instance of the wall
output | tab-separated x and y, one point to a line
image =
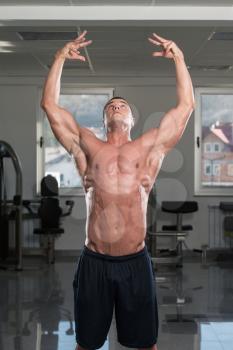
150	99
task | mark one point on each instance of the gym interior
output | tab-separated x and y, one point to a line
190	208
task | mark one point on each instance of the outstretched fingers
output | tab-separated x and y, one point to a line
82	35
82	58
85	43
159	53
160	38
154	41
79	40
78	44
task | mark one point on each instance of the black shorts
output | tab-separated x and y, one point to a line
125	282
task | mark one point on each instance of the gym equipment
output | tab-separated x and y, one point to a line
227	208
50	214
10	209
178	231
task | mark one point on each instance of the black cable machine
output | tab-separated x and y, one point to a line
10	209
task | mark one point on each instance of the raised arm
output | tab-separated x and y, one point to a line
175	120
65	128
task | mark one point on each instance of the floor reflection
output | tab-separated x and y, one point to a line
195	308
216	335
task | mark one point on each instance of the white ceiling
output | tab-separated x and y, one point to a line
117	2
118	49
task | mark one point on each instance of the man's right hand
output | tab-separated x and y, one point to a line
71	49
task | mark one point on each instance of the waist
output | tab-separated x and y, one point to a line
89	252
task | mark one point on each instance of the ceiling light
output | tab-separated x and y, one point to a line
6	44
2	50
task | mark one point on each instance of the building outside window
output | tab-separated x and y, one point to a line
216	169
214	141
216	147
208	170
230	169
208	147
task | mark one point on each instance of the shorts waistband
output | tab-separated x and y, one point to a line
87	251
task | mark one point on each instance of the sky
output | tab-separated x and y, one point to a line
216	108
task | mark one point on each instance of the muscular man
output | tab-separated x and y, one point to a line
114	269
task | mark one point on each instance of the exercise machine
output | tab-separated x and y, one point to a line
49	212
10	209
178	231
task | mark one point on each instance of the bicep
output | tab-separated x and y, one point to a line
66	130
64	127
163	138
172	126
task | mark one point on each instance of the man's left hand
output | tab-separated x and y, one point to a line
170	49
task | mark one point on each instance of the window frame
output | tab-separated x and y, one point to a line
206	166
208	144
198	189
230	165
219	148
40	161
217	172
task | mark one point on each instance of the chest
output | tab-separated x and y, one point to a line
112	161
121	170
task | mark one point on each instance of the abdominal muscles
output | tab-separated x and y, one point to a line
117	191
116	220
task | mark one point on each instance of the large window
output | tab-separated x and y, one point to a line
214	141
86	106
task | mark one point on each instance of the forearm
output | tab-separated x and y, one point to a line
52	85
185	95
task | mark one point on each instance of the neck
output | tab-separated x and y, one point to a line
118	138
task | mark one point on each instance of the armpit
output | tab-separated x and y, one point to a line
74	146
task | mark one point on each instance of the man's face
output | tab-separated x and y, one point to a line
118	110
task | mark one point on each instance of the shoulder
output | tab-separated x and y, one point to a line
86	132
147	139
148	144
89	142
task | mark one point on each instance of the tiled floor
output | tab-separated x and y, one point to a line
195	308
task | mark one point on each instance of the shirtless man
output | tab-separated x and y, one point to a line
114	268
